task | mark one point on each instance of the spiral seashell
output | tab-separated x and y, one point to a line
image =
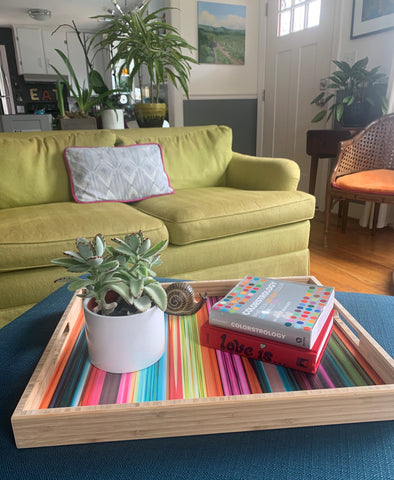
181	299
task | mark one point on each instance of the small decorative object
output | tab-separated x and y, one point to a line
145	42
124	305
372	17
357	93
181	299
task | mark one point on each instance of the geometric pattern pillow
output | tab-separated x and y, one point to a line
117	174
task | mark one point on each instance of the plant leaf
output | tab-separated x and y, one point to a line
157	294
143	303
318	117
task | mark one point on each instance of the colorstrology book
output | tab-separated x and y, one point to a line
287	312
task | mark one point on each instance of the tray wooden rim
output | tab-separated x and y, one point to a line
199	416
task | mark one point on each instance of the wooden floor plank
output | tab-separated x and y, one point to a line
355	261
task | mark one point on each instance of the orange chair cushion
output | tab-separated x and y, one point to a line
380	182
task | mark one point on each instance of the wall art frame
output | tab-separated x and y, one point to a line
371	16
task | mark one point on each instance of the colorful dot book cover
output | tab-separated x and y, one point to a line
287	312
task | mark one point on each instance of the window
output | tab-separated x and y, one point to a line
296	15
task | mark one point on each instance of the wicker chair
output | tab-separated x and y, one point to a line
364	171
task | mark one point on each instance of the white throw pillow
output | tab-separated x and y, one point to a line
117	174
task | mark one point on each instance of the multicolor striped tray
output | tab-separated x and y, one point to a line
197	390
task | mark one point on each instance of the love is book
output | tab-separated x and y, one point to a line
265	350
288	312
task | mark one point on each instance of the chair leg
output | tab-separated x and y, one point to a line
345	209
327	216
375	217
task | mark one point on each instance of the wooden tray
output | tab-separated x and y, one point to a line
35	427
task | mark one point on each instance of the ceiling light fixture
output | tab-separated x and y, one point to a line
39	14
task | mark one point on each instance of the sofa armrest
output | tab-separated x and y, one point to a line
262	173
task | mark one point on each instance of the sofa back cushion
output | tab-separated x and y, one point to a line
193	156
32	165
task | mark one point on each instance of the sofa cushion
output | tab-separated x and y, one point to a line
193	156
205	213
35	172
32	236
110	174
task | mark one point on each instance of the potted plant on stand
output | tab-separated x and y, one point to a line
144	42
357	93
124	305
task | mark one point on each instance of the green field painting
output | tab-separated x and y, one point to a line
221	33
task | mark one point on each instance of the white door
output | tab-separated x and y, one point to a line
295	63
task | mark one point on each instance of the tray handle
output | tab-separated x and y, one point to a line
366	345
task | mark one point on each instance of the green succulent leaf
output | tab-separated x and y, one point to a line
95	261
99	244
74	255
78	283
136	286
157	294
145	246
143	303
85	248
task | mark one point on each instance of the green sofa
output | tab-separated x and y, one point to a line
230	215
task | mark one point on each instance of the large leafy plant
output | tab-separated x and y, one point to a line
356	82
141	39
125	268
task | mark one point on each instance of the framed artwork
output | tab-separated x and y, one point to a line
371	16
221	33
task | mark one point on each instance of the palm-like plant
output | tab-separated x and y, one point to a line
143	39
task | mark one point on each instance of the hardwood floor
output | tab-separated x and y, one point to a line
355	261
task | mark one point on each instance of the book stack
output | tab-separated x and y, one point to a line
275	321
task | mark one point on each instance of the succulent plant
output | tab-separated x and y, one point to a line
125	268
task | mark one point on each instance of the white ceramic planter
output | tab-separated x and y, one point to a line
125	343
112	119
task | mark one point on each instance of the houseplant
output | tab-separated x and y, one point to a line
356	93
96	93
124	304
83	95
144	41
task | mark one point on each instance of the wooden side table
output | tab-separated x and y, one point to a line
324	144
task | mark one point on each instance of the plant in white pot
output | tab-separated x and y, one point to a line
124	304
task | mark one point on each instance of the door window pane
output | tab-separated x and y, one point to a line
284	23
313	14
296	15
299	18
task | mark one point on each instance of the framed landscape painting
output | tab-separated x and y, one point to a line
372	16
221	33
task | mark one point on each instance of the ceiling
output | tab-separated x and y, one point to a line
14	12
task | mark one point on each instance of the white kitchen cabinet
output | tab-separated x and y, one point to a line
35	49
50	42
30	51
